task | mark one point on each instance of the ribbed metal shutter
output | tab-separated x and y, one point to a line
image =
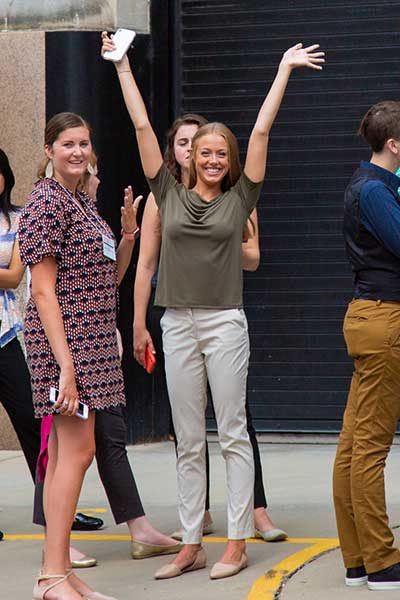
226	55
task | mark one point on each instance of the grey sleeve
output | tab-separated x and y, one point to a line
248	191
161	183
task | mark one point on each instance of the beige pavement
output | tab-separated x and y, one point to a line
298	484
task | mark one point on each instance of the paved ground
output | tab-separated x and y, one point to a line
298	481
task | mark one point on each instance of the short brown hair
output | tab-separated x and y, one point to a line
56	125
169	154
380	123
234	171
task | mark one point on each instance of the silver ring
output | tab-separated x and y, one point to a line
65	403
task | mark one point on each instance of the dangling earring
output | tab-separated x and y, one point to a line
91	169
49	172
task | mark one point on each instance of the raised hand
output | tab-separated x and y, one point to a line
297	56
107	43
129	210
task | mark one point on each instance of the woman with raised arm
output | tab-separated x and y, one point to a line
177	158
200	285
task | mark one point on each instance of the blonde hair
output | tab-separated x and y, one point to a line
234	170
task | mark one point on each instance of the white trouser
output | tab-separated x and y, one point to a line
201	344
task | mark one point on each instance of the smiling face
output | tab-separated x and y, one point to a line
183	144
211	159
70	154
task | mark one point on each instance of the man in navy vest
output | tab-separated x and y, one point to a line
372	334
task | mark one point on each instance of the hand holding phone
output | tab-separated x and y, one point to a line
149	360
122	39
83	410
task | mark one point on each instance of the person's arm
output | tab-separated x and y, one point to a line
10	278
128	225
149	148
251	248
380	215
146	267
43	283
297	56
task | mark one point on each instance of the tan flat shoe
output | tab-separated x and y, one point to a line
40	591
172	570
207	530
222	570
81	563
97	596
84	563
142	550
272	535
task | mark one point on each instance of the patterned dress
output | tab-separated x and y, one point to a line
52	224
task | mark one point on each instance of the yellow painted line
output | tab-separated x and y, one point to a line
267	586
91	510
207	539
116	537
74	536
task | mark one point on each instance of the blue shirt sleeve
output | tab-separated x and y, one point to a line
380	214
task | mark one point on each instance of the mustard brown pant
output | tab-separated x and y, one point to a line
372	333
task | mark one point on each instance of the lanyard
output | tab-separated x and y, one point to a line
89	214
100	226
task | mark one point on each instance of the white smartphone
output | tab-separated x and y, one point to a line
122	39
83	410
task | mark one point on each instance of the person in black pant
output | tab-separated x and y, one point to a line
147	330
110	428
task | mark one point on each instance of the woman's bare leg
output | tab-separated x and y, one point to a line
71	450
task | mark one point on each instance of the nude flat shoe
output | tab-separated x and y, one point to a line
84	563
207	530
39	591
172	570
142	550
97	596
92	595
81	563
222	570
273	535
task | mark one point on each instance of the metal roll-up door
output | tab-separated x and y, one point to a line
225	57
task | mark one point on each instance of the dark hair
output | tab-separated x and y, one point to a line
234	171
169	154
55	126
9	182
380	123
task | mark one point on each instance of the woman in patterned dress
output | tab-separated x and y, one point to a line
70	334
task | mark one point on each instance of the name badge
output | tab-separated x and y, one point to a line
109	247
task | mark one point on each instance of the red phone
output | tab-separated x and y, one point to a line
149	360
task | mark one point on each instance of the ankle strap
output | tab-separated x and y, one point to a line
47	576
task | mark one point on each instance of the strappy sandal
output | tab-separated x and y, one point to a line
40	591
90	595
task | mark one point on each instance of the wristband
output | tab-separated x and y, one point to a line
132	235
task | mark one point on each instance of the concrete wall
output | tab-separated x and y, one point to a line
22	105
22	110
74	14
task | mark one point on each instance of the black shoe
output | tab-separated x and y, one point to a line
386	579
1	535
85	523
356	576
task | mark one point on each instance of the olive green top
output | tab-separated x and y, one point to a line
201	250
